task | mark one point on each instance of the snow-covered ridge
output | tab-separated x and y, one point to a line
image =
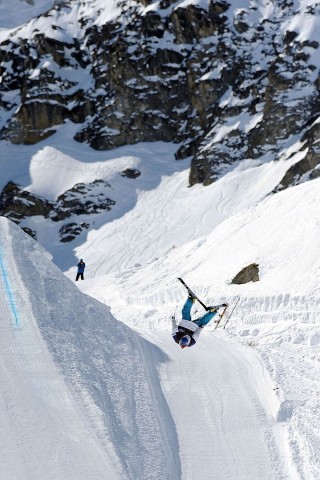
88	382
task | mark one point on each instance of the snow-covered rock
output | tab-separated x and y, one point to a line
226	83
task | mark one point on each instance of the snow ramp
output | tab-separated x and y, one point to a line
80	398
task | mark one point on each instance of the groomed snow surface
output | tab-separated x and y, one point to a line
96	388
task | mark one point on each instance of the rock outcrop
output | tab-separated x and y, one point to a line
79	204
250	273
226	82
17	204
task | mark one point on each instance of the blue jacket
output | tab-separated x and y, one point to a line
81	266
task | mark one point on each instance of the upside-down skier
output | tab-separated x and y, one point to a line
187	331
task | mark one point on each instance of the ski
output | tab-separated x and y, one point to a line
192	294
231	312
220	317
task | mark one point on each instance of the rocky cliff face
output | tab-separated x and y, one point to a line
81	202
224	82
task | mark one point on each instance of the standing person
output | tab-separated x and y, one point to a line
81	266
187	332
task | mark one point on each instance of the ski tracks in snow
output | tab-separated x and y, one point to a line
219	393
147	302
225	429
216	392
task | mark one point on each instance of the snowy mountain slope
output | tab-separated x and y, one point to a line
281	234
66	162
176	213
277	317
159	229
226	83
233	88
278	425
80	397
91	389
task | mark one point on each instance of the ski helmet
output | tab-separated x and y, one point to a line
184	341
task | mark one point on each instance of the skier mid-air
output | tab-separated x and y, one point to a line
187	331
